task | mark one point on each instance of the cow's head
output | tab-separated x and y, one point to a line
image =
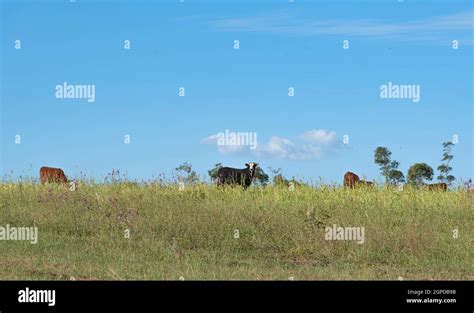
252	167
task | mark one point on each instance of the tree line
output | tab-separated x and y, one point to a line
418	174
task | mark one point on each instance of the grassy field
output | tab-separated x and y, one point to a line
259	234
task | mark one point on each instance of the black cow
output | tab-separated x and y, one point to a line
235	176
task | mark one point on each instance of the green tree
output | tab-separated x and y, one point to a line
444	168
388	168
261	177
419	172
396	177
278	179
213	172
186	169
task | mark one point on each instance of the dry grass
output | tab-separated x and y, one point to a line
190	233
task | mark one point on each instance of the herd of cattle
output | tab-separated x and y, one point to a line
225	176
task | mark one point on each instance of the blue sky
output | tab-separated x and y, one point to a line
191	45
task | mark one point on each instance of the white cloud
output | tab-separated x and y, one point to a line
319	136
429	28
313	144
282	148
210	140
277	147
224	149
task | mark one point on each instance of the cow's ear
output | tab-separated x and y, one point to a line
256	164
246	164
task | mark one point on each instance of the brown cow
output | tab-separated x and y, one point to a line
350	179
438	186
52	175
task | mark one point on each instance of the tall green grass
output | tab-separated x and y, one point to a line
192	233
